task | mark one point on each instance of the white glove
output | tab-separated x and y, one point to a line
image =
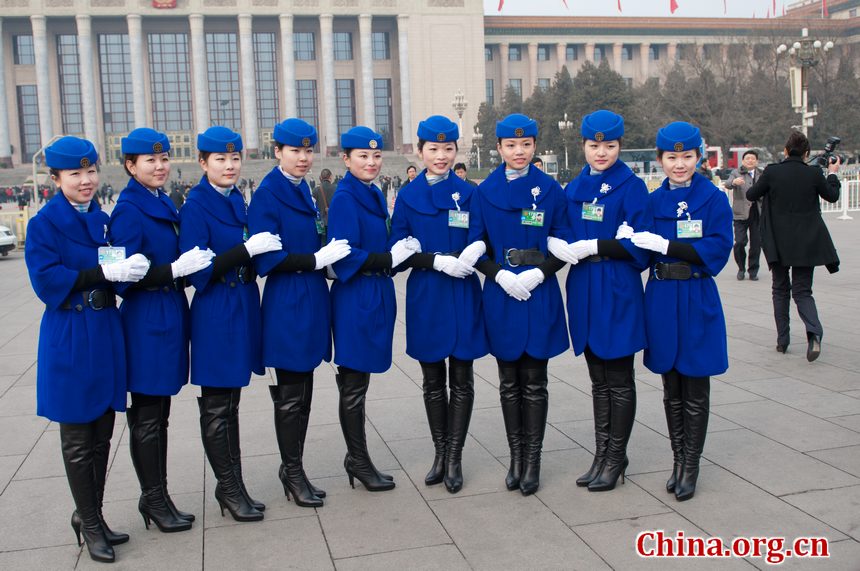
649	241
472	252
561	250
530	279
402	249
332	252
512	286
191	261
624	231
263	242
584	248
130	270
452	266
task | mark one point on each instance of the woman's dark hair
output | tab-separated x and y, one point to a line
619	139
203	155
499	140
661	151
128	157
797	144
56	172
422	142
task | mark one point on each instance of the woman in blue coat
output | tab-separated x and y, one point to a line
81	375
606	305
517	208
154	317
443	296
296	309
225	310
363	304
684	321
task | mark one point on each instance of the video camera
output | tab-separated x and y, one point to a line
828	157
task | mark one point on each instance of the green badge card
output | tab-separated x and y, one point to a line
689	228
458	219
592	211
532	217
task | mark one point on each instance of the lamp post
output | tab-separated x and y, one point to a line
563	127
459	104
805	53
477	138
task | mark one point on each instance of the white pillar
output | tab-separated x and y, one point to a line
88	86
527	92
503	70
617	48
589	52
672	53
288	65
644	51
249	85
561	55
364	25
5	144
137	58
405	97
198	62
329	108
43	79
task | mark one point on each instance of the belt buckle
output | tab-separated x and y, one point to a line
91	298
658	274
508	257
242	274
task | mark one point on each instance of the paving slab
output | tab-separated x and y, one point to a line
446	557
63	557
838	507
846	458
803	396
20	433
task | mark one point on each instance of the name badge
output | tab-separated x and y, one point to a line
689	228
458	219
245	234
111	254
320	226
593	212
532	217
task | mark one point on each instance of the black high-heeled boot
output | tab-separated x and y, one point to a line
77	442
236	452
307	398
165	422
215	431
511	399
347	460
600	405
462	380
533	383
696	393
436	405
674	408
622	409
103	432
353	387
287	400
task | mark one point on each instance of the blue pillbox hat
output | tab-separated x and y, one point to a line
295	133
516	126
71	153
219	139
145	141
602	125
439	129
361	138
679	136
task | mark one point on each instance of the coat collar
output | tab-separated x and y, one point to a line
426	199
666	202
516	194
161	208
586	187
229	210
297	197
89	228
369	197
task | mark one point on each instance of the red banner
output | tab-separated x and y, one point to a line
673	5
164	4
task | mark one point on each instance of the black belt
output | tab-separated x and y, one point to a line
532	257
239	274
673	271
596	258
176	285
96	300
386	272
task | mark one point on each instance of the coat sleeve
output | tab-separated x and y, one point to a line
343	224
193	231
637	213
559	226
761	187
715	245
52	281
400	228
126	229
828	188
263	216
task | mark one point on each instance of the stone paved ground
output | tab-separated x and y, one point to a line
782	459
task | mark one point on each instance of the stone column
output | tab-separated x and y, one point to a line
88	86
405	97
200	93
530	88
561	55
5	144
137	57
617	48
249	85
365	41
43	78
589	52
672	53
644	50
288	65
724	52
332	144
503	70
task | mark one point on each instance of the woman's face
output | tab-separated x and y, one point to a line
364	164
517	152
600	156
295	161
680	166
222	169
78	185
150	170
438	157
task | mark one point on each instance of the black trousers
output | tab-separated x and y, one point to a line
799	286
747	232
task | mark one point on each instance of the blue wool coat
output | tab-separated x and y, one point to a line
536	326
81	371
684	319
443	314
156	323
363	307
296	307
606	302
225	319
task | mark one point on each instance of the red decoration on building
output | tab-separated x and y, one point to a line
673	5
164	4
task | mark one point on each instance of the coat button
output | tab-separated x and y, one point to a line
696	275
166	289
232	284
79	307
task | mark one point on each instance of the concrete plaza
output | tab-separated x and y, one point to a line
782	459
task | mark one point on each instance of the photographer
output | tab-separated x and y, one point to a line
794	235
745	214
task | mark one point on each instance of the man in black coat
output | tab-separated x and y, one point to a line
795	237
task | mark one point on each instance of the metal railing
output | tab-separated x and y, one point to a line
849	198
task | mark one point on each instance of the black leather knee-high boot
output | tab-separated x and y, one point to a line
103	432
533	382
287	400
674	408
696	393
436	405
622	407
600	404
511	398
165	422
347	459
307	399
236	452
462	381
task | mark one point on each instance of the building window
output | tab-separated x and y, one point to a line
383	110
22	46
344	90
517	86
626	52
852	13
306	102
381	45
488	53
71	107
115	68
599	54
515	53
653	53
628	81
266	71
222	59
28	121
303	46
571	53
543	53
342	46
491	96
543	83
170	82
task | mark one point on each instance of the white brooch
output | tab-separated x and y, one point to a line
535	194
604	188
456	198
682	207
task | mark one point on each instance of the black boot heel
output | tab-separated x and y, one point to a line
289	425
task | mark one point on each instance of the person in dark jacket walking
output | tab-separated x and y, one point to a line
794	236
